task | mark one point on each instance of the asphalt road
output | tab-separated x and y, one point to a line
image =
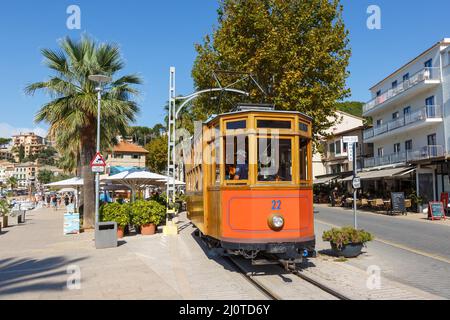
431	238
405	250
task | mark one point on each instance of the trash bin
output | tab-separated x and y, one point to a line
105	235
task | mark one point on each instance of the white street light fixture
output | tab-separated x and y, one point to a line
101	80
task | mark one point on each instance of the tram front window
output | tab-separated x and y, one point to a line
274	159
236	164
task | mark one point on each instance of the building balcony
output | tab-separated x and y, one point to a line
417	83
415	120
425	153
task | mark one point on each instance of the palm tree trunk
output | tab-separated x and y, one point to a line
87	154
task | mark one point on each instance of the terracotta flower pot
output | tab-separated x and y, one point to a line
148	229
120	232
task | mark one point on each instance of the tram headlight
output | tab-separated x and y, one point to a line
276	222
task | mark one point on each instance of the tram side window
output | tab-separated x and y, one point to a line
236	158
274	159
304	159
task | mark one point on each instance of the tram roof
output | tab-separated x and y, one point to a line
248	108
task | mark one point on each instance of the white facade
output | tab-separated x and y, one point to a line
411	113
345	122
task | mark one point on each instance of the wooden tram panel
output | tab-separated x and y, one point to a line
236	210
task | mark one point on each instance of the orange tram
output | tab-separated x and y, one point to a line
249	184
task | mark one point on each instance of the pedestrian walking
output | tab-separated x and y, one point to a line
54	203
334	196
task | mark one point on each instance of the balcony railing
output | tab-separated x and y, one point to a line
427	152
422	75
428	112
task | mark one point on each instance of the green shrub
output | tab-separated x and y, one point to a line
160	198
147	212
343	236
4	208
116	212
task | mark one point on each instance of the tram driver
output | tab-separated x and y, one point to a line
241	172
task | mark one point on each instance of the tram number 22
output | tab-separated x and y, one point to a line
276	204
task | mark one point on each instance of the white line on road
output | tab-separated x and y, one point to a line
399	246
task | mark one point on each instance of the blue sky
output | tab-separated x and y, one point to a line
154	35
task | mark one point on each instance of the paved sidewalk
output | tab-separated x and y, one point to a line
34	258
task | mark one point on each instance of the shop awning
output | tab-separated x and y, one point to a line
384	173
324	180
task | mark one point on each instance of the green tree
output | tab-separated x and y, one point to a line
157	156
72	114
45	176
297	50
4	141
12	182
46	156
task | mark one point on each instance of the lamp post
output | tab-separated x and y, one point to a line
101	80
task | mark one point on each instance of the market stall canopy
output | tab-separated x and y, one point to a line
136	180
73	182
384	173
324	180
141	177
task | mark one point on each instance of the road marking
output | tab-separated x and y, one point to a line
399	246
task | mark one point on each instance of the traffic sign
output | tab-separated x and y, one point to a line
98	161
350	139
356	183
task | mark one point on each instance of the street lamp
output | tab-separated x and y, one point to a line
101	80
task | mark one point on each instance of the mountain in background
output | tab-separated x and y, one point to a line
353	107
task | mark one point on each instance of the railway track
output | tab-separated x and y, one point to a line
266	291
276	284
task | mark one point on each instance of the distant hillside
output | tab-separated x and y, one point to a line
352	107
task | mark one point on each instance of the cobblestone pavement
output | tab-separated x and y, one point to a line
400	261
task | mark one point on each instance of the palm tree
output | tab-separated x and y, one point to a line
12	181
72	114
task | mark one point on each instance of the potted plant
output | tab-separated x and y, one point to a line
417	201
147	215
347	241
4	211
119	213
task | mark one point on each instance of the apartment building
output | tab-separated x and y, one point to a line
6	171
6	153
336	157
410	111
333	161
31	142
126	154
26	174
